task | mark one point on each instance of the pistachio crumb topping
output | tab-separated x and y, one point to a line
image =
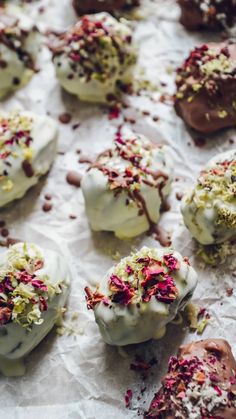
204	69
218	184
24	290
226	217
217	254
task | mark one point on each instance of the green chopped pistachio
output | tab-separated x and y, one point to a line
26	290
201	326
222	114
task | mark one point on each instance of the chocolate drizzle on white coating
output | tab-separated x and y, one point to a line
132	168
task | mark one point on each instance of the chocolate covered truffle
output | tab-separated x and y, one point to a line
209	210
206	87
125	187
18	50
141	294
28	144
207	14
200	383
93	6
34	284
94	57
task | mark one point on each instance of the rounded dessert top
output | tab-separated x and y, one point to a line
131	162
14	35
25	290
98	45
204	68
200	383
217	183
140	277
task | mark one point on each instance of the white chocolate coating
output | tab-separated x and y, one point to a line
40	154
73	76
108	210
17	341
14	67
140	321
209	210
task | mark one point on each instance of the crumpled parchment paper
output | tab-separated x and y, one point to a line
76	375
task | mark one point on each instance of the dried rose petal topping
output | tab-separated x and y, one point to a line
94	298
171	262
128	398
5	315
194	386
139	280
122	293
142	294
24	294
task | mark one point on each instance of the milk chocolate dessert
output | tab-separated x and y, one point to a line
206	87
207	14
93	6
200	383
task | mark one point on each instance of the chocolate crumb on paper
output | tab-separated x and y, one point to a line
73	178
65	118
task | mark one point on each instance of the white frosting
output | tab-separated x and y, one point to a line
94	90
16	68
123	325
43	131
17	341
109	212
202	207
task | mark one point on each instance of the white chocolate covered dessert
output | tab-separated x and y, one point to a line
94	56
34	285
27	149
18	50
143	293
125	187
209	210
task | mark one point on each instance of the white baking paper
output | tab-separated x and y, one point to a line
77	376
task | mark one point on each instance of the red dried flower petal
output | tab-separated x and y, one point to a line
43	304
5	315
24	276
218	390
129	270
164	291
94	298
128	398
122	293
37	283
114	113
171	262
38	265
